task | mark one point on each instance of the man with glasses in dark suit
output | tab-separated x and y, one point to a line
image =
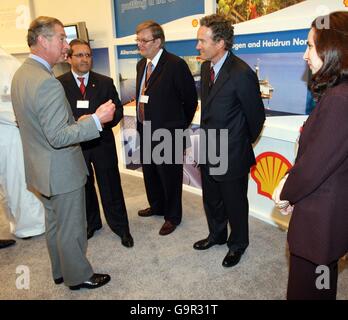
166	99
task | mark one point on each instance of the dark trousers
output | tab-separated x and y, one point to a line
226	202
163	184
110	190
303	280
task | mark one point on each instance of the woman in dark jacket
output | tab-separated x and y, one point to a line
317	185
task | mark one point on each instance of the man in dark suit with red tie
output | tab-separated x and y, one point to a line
231	100
86	90
166	99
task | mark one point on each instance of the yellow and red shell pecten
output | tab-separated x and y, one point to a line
270	167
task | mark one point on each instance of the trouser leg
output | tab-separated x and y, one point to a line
66	236
111	194
213	207
92	205
236	206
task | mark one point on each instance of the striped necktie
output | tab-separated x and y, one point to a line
141	114
212	77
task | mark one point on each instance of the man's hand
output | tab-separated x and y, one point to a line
105	112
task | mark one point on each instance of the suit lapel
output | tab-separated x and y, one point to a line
140	73
91	89
205	82
72	87
223	76
92	86
158	69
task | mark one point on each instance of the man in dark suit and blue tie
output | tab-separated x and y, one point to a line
85	91
166	99
230	100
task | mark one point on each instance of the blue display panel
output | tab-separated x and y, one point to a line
129	13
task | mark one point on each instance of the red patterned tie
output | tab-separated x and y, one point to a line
82	85
212	77
141	104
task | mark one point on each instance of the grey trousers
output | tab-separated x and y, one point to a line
66	236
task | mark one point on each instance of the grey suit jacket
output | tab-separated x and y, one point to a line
54	163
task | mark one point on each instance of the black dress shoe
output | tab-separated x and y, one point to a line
232	258
127	240
167	228
96	281
6	243
206	244
27	238
90	233
58	280
145	213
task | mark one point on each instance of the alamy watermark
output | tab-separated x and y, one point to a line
158	148
323	280
23	278
323	20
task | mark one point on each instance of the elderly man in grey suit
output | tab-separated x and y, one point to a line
54	163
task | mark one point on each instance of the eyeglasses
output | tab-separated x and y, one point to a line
143	41
81	55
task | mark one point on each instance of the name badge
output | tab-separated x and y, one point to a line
144	99
82	104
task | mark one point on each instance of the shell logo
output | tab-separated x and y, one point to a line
269	169
194	23
345	2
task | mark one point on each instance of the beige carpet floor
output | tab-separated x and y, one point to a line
159	267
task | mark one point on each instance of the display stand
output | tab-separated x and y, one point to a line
279	136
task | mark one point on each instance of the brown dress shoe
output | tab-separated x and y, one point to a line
167	228
145	213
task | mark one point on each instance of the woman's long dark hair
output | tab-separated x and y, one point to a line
331	43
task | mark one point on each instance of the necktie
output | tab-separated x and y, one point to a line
148	73
212	77
141	104
82	85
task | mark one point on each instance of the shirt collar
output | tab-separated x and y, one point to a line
155	60
41	60
217	66
86	76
